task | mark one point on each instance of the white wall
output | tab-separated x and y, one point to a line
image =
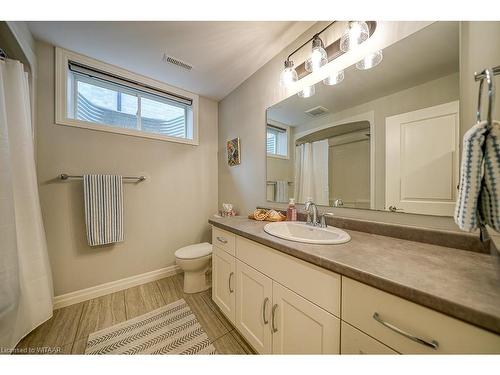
242	114
167	211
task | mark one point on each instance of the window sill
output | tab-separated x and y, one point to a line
134	133
278	156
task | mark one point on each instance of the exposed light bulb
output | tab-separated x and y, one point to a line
307	92
318	56
370	61
288	75
355	34
334	78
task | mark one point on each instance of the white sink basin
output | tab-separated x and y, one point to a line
301	232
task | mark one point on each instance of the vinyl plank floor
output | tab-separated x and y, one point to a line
207	297
142	299
227	344
242	342
57	331
67	331
100	313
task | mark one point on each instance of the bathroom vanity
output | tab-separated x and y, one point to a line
373	295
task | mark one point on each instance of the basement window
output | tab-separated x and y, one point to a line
99	96
277	141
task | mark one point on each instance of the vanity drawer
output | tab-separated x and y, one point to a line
315	284
353	341
379	314
223	240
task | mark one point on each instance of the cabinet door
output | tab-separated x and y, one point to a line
224	282
253	307
353	341
301	327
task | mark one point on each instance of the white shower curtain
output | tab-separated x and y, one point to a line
25	278
311	172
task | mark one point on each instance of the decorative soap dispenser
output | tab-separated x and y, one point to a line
291	212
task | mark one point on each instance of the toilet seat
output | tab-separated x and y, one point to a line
194	251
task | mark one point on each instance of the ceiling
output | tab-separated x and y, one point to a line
430	53
223	54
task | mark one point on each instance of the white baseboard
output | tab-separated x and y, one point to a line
67	299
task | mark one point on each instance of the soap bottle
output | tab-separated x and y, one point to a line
291	212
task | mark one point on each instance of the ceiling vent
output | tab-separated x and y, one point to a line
317	111
172	60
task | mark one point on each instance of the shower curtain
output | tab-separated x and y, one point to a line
25	277
311	172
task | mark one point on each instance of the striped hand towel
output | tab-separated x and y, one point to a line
478	197
103	198
489	198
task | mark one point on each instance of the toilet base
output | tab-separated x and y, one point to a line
195	281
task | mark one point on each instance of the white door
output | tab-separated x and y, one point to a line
253	307
421	154
300	326
224	282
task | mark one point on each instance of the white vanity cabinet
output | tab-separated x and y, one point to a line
410	328
301	327
283	305
254	301
296	319
224	282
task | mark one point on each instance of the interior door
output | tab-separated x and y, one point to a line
253	307
422	161
224	282
300	326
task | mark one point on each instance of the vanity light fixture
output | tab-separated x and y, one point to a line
307	92
334	79
370	61
318	56
355	34
288	75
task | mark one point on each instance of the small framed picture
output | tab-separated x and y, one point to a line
233	152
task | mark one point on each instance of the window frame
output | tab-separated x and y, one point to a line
63	57
275	124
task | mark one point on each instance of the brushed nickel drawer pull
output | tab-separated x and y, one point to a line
273	315
229	282
432	344
221	239
266	300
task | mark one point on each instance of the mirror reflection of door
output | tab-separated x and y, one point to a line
422	160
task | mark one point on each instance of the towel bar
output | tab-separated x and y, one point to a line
64	176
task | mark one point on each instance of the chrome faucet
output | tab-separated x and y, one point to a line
311	207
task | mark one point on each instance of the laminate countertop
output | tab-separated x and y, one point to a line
459	283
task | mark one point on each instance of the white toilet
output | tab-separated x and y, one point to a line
195	260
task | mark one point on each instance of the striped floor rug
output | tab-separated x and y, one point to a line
172	329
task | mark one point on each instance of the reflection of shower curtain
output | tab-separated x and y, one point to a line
25	278
311	172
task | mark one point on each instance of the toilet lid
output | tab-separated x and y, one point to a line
194	251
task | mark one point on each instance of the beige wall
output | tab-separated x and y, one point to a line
167	211
479	49
242	114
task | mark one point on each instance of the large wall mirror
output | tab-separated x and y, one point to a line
386	138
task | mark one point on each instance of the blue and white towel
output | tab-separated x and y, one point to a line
103	197
478	200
